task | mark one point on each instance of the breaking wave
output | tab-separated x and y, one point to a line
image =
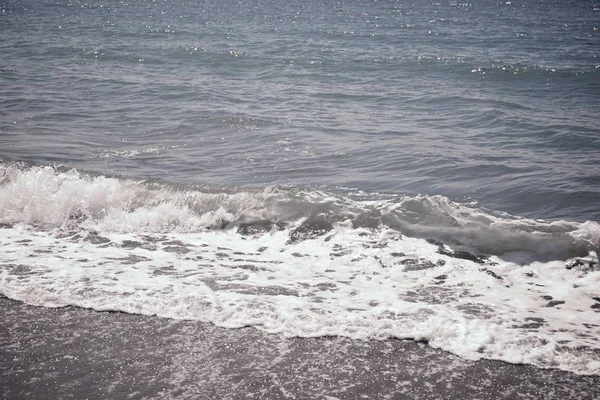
302	262
51	198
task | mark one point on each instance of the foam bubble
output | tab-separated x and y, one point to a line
306	263
354	282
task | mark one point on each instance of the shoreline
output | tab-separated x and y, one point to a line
78	353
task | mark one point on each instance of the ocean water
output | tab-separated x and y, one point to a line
370	169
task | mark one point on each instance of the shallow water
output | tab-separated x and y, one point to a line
71	352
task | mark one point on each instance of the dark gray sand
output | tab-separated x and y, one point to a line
76	353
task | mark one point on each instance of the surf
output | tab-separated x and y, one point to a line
306	263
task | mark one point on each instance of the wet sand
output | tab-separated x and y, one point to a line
82	354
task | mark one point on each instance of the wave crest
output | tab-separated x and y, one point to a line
51	198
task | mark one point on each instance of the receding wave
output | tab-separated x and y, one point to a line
307	263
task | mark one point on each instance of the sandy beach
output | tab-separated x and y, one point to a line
82	354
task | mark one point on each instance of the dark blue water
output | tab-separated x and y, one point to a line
490	101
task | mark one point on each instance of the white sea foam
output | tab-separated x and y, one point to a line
306	263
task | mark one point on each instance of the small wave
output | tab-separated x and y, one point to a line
528	71
49	198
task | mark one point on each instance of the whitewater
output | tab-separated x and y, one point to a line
306	263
